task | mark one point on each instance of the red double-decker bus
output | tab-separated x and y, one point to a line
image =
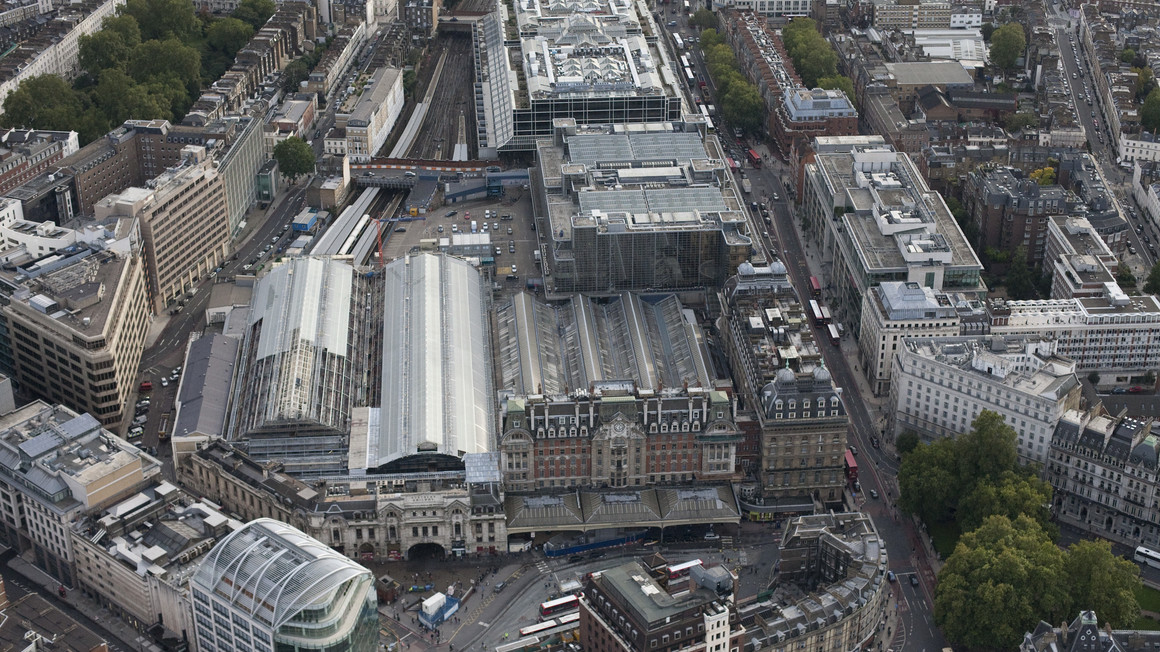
815	287
754	158
851	467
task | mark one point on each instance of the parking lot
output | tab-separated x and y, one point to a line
456	218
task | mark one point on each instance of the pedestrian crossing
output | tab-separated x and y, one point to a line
542	565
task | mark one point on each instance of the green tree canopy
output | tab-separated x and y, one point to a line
1017	121
102	50
704	19
1102	582
294	156
817	63
906	442
1001	580
935	477
164	19
1020	281
1126	278
1012	495
710	37
45	102
1127	55
294	73
840	83
1151	285
1150	111
167	60
743	106
126	26
121	99
988	30
255	12
228	35
1008	43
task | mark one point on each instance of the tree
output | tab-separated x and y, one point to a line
44	102
169	59
121	99
988	30
927	481
228	35
294	157
1125	277
1152	283
255	12
1017	121
1007	45
164	19
102	50
840	83
1020	282
126	26
1128	55
704	19
1145	82
1102	582
295	73
1044	176
1150	111
743	107
1002	579
1012	495
817	63
906	442
1094	378
710	37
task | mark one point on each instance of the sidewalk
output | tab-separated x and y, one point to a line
101	619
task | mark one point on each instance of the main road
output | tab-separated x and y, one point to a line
914	599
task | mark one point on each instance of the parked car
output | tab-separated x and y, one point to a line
1135	390
890	576
145	387
575	559
500	586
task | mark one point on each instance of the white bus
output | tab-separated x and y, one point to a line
1147	556
680	43
689	77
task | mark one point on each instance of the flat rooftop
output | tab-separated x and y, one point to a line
1015	362
77	286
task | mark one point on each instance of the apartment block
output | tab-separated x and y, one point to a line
54	50
74	326
105	166
782	377
1103	470
1086	630
876	221
182	216
625	609
135	557
374	115
883	117
673	220
60	465
1117	336
1012	210
919	15
788	9
335	62
832	590
422	16
25	153
659	418
939	385
894	311
1081	263
796	114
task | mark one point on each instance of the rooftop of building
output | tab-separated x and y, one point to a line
32	618
599	344
667	177
790	611
1012	183
374	97
920	73
1085	634
51	449
1024	364
1079	237
76	286
159	531
892	218
437	394
264	477
578	48
634	585
204	391
586	510
1110	438
271	572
